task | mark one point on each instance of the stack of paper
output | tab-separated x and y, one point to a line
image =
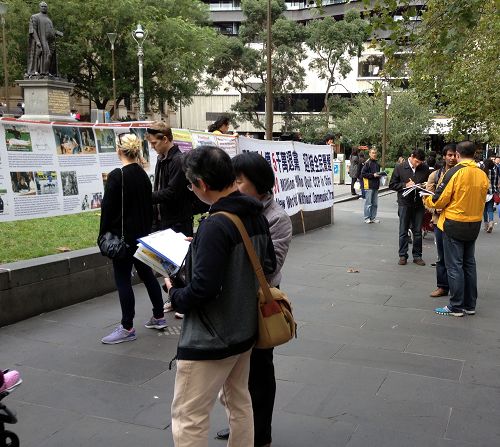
164	251
419	187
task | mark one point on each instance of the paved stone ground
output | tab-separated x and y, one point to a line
372	366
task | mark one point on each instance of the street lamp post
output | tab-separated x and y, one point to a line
139	35
387	102
269	76
112	40
3	11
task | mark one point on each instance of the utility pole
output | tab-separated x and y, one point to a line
387	102
269	75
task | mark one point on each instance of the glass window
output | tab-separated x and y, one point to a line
370	66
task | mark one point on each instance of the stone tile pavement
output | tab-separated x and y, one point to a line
372	365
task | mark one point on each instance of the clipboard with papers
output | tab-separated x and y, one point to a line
164	251
419	188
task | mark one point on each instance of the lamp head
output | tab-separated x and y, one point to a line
112	38
139	32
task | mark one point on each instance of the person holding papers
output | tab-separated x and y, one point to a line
137	215
412	172
219	305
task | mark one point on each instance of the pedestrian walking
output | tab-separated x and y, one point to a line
460	196
354	169
489	215
410	207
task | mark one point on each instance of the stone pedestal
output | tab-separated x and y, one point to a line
46	99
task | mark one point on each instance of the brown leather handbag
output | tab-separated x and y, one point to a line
276	323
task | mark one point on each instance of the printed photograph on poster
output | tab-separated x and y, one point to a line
104	179
46	182
96	200
85	203
88	140
105	140
23	183
67	140
3	200
69	183
17	138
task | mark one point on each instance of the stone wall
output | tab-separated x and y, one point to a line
36	286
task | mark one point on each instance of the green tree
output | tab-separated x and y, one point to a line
408	120
241	61
334	43
177	50
455	58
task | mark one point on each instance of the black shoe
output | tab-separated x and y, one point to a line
223	434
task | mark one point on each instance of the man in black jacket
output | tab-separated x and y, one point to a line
410	208
219	303
371	178
172	202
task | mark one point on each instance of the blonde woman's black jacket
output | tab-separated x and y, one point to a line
220	300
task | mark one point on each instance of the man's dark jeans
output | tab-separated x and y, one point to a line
410	217
441	274
123	278
462	276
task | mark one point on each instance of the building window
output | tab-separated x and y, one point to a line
370	66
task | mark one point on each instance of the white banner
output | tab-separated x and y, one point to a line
50	169
303	173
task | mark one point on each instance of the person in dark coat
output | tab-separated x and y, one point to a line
172	201
411	210
137	216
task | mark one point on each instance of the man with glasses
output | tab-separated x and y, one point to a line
412	172
172	202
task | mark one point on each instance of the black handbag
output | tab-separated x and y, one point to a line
111	245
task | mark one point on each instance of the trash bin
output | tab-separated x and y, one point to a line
338	172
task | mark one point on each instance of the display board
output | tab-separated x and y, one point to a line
50	169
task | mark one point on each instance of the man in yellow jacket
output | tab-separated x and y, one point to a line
461	196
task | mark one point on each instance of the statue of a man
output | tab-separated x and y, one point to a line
42	45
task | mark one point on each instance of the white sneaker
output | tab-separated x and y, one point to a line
167	307
375	221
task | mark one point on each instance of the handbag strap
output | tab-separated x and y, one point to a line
123	234
251	254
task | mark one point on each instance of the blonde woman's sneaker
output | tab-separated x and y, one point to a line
156	323
447	311
119	335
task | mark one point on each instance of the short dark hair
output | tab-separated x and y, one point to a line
211	164
419	154
466	149
256	169
450	147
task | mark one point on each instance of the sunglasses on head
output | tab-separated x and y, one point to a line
121	135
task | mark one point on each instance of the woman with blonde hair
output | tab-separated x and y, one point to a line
127	204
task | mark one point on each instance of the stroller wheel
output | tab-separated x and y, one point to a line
9	439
